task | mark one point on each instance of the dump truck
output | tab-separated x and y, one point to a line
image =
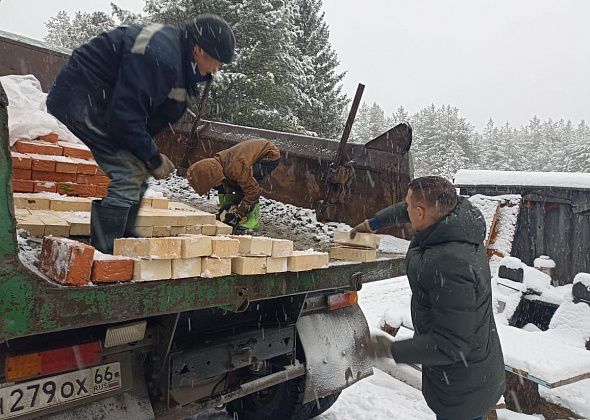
273	346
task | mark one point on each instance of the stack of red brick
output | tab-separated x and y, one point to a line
49	165
74	263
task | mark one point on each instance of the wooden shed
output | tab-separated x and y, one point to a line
554	217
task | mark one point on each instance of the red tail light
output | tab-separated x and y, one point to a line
31	365
342	300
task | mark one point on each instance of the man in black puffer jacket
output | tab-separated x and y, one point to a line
122	88
455	336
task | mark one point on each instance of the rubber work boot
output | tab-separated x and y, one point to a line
106	224
131	218
252	219
225	202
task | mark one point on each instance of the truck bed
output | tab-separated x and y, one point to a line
32	304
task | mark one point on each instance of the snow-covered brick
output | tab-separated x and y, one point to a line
79	223
281	248
111	268
224	247
307	260
583	278
66	261
543	261
353	254
195	246
148	269
248	265
276	265
390	244
215	267
186	267
365	240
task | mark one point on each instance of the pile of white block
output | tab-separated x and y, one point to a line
197	255
362	248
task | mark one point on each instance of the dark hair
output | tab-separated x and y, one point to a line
213	34
436	193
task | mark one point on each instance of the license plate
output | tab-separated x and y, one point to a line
17	400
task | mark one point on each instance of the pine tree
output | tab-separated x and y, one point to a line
320	113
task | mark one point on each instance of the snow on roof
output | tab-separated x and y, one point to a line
465	177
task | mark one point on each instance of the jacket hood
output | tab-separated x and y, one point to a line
464	224
204	175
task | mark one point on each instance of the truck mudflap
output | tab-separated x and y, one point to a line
335	354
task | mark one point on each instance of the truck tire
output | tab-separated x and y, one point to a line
280	402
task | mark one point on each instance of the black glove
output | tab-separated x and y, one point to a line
361	227
379	347
232	217
164	169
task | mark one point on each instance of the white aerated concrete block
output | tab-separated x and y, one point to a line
307	260
195	246
145	270
215	267
186	267
276	265
248	265
254	245
224	247
364	240
353	254
281	248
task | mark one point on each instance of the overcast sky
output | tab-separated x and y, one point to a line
504	59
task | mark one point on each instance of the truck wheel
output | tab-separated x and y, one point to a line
280	402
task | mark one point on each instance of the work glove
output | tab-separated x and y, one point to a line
361	227
379	346
232	217
164	170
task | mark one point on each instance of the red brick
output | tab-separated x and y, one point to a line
53	176
45	186
21	174
66	261
86	167
43	163
66	166
20	161
19	185
100	172
51	137
93	179
102	191
78	190
76	150
38	147
108	268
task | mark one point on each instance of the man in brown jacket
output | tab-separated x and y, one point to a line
236	173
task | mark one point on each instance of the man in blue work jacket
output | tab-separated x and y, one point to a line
122	88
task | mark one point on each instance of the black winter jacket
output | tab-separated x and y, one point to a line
455	338
125	86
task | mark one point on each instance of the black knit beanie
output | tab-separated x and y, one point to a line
214	35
